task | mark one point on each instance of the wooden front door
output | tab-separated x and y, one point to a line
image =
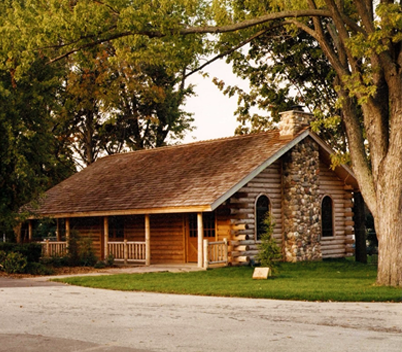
192	234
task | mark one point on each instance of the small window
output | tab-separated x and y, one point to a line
327	217
261	211
208	220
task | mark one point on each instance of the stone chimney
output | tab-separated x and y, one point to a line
293	121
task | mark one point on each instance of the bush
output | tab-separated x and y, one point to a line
15	263
55	261
269	252
86	253
38	269
32	251
109	260
100	265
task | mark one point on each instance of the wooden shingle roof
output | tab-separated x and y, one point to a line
192	177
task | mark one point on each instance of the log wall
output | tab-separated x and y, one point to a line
91	229
340	244
242	207
167	238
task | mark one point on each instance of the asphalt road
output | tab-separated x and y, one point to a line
40	316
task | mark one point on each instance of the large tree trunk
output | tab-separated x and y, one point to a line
389	234
388	222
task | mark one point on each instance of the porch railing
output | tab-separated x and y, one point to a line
128	251
215	252
53	249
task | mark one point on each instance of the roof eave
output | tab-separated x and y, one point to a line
149	211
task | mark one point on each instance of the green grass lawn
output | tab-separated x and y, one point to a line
341	280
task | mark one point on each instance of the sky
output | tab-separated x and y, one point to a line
213	111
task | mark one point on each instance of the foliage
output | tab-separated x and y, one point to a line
109	261
34	268
340	280
86	252
100	264
80	251
269	252
32	158
32	251
14	263
73	256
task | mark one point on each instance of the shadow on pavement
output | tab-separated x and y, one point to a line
11	282
36	343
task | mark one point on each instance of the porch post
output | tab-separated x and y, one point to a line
67	232
30	230
106	236
200	235
147	240
58	230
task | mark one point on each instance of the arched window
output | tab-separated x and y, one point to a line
327	217
261	210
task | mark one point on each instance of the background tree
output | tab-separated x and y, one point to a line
32	157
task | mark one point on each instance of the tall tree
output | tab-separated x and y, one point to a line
32	157
363	47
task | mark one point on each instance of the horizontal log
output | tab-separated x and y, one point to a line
336	255
241	237
333	251
349	223
348	204
338	247
350	250
241	248
241	259
240	243
239	227
240	216
350	241
240	195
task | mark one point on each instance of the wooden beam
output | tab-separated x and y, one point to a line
67	232
200	236
106	236
147	240
30	230
58	237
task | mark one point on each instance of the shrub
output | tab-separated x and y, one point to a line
73	249
15	263
3	256
269	252
38	269
32	251
86	253
109	260
100	265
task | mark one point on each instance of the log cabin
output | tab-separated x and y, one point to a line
172	204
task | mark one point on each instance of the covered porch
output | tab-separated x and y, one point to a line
143	239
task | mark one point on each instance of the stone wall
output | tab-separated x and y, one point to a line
301	202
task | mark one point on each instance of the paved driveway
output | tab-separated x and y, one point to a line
37	316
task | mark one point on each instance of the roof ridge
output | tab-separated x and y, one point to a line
184	145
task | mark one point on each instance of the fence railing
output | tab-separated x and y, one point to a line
53	249
127	251
215	252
